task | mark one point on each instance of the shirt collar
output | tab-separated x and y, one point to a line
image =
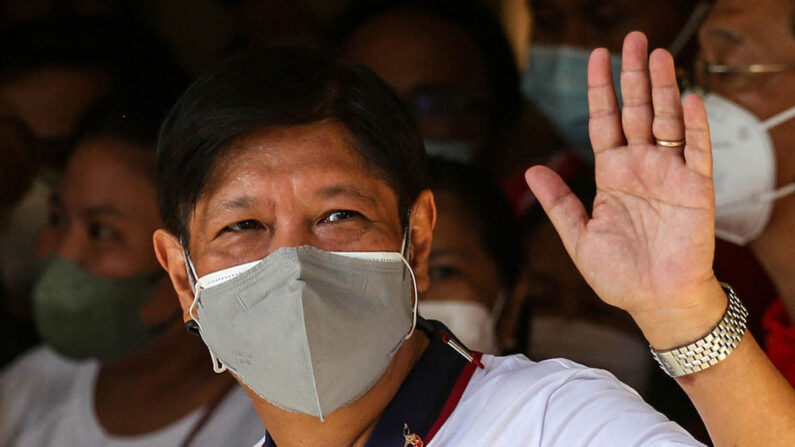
424	400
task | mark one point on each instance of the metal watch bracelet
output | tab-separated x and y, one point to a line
710	349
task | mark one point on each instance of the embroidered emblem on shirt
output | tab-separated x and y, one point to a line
412	440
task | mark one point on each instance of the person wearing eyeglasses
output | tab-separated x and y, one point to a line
747	69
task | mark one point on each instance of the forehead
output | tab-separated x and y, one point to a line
110	172
756	18
409	48
305	156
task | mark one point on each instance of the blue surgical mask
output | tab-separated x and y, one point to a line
557	83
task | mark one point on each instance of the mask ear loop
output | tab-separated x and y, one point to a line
786	190
405	252
779	193
416	297
193	278
690	28
779	118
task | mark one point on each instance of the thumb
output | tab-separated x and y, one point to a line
561	205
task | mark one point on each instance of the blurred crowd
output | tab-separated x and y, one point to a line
494	85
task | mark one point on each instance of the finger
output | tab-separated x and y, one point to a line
667	124
564	209
636	117
604	124
698	148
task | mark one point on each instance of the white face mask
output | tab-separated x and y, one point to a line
744	169
471	322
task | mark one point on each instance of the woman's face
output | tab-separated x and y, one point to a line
104	211
460	268
103	214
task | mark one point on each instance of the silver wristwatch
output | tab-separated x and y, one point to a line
711	349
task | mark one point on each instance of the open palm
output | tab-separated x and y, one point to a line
649	244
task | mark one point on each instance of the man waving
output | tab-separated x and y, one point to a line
298	229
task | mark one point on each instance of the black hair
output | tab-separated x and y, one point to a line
130	54
477	21
489	211
283	87
128	117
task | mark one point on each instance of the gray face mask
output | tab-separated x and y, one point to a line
308	330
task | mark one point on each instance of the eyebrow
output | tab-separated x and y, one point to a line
438	253
103	210
346	191
247	202
724	34
94	211
235	203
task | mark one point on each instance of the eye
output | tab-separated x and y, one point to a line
441	272
243	225
102	232
340	215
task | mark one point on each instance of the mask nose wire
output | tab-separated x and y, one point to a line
193	278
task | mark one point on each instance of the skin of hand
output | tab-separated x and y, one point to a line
648	246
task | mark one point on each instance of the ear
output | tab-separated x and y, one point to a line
171	257
423	219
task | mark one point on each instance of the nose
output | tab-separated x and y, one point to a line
291	233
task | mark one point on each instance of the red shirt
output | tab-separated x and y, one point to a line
780	340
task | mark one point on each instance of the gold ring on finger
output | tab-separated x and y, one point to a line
669	143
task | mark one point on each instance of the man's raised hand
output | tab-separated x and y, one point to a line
649	244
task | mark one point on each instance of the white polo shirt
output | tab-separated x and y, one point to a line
48	401
513	401
516	402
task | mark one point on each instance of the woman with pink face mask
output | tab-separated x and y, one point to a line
748	72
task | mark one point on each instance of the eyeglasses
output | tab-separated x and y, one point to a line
736	77
751	68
